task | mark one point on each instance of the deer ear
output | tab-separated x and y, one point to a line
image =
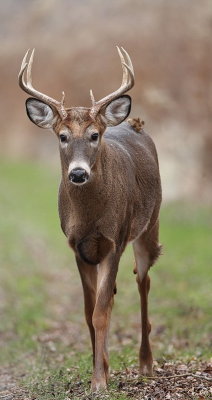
117	111
40	113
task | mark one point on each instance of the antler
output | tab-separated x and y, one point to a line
127	83
26	69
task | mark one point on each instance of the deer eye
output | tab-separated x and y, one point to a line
63	138
94	136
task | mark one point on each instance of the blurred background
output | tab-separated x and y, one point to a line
171	48
42	328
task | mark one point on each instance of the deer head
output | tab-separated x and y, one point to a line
79	129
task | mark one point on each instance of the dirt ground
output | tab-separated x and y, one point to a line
171	381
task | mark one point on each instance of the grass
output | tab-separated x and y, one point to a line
43	335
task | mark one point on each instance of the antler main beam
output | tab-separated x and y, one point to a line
127	83
25	82
26	72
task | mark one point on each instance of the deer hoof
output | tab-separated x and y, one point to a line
98	385
146	370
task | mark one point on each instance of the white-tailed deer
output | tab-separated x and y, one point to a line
110	195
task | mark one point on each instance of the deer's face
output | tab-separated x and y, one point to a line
79	144
79	135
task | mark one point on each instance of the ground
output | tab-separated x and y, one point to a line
45	349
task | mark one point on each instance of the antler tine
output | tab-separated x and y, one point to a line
127	67
24	60
130	76
29	69
92	98
22	70
127	83
123	64
63	98
128	60
28	88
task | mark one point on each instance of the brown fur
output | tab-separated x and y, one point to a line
120	204
109	195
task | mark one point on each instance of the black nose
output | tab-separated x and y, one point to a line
78	175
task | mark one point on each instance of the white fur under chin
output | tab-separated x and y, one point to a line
79	183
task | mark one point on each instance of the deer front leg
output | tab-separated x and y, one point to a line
107	272
88	274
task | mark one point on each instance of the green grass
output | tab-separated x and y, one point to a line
42	327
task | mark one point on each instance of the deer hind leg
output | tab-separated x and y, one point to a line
146	250
88	274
